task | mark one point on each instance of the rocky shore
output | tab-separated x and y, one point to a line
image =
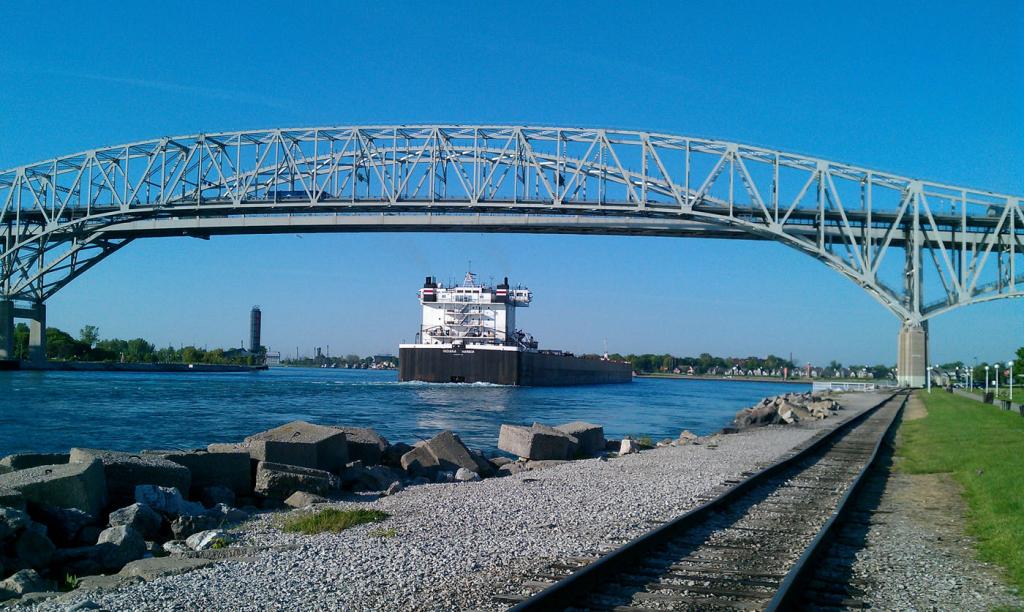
176	529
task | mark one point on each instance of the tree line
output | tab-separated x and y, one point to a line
772	365
60	345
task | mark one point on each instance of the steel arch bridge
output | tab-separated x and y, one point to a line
920	248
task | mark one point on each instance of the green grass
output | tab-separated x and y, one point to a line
331	519
982	446
70	582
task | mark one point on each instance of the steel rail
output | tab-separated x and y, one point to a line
579	584
788	595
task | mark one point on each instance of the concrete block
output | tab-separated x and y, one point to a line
590	436
22	461
71	485
302	444
140	518
445	452
159	567
229	469
364	444
279	481
537	442
125	471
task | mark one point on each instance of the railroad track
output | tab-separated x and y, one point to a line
751	547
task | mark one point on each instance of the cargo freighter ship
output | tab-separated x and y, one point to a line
468	334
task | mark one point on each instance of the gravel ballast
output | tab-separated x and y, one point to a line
457	545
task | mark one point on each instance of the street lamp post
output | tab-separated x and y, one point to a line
928	377
1009	364
986	380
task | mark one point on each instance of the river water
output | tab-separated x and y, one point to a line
54	411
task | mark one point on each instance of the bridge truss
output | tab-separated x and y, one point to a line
921	248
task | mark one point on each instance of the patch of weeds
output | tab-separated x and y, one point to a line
645	441
331	520
384	533
70	582
219	543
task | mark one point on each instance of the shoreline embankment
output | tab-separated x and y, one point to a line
208	522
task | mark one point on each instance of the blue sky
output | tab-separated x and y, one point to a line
932	89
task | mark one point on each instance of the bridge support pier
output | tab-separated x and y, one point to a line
912	355
6	329
37	333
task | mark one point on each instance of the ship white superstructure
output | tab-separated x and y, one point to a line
472	314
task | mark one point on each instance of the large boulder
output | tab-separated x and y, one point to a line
379	478
25	581
364	444
279	481
23	461
63	524
122	544
12	521
226	468
186	525
70	485
301	499
33	549
537	442
302	444
208	539
590	436
125	471
167	501
445	452
140	517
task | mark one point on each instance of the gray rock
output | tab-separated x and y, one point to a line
302	444
537	442
26	581
125	471
279	481
228	514
464	475
628	446
443	452
301	499
207	539
211	496
392	456
123	544
497	462
176	547
687	437
445	477
167	501
393	488
33	549
226	469
71	485
63	524
365	444
12	520
139	517
379	478
590	436
23	461
186	525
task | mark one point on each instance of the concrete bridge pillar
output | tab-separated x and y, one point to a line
37	334
6	329
913	354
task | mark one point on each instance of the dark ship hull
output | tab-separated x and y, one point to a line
503	367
